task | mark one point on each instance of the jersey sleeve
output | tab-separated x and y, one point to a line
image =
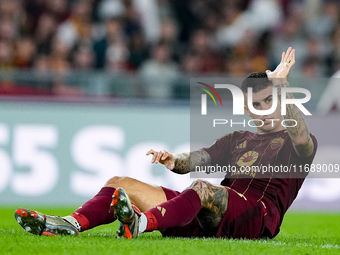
220	151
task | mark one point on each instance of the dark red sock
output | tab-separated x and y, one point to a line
176	212
96	211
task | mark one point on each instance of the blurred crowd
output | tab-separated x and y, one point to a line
162	39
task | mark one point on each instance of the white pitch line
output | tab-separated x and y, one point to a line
323	246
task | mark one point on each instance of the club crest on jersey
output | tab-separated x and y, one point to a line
248	158
276	143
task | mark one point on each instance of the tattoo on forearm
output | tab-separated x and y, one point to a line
214	204
186	162
300	130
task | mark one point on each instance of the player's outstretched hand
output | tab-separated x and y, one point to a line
283	69
163	157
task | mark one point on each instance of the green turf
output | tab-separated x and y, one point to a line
302	233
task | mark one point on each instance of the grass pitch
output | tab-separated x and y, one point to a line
301	233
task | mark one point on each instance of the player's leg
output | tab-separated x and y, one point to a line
96	211
201	199
214	199
143	195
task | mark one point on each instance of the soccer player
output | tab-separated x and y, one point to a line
251	207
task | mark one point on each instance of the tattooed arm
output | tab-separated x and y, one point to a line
186	162
181	163
299	134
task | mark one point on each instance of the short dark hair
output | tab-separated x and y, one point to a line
258	81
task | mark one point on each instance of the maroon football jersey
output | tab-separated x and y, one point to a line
262	167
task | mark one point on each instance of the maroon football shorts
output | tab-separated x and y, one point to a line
244	218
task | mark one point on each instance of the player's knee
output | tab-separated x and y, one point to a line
199	185
115	182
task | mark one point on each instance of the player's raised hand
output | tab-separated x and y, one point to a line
283	69
163	157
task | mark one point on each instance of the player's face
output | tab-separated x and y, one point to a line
262	100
